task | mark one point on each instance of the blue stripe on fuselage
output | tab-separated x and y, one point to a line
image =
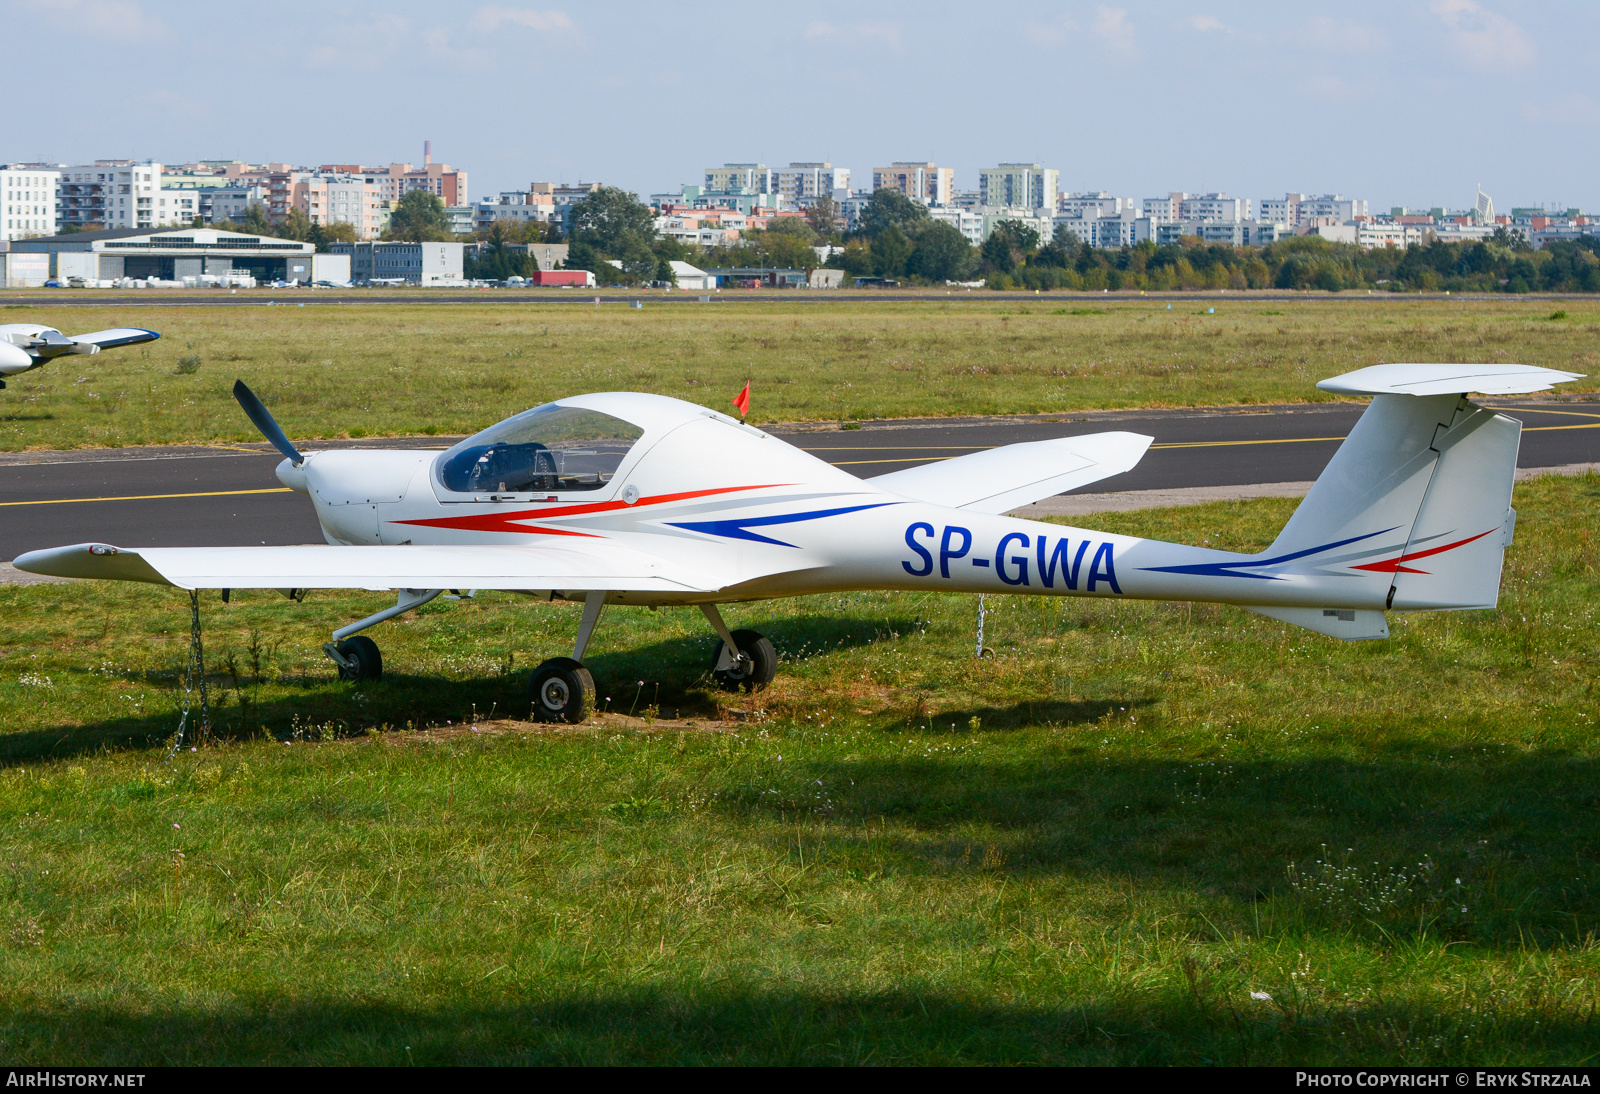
739	528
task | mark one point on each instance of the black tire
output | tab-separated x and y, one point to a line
364	652
752	674
561	690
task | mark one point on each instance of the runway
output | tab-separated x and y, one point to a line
227	495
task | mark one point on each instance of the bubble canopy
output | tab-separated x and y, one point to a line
549	449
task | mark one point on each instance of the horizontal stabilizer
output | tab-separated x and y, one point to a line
1352	625
1006	478
598	565
1447	379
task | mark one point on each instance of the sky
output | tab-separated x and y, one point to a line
1401	102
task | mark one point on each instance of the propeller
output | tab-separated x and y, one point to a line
264	421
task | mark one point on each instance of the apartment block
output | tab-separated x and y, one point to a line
342	199
1285	210
1021	185
803	183
1213	208
232	202
925	182
30	200
396	180
741	178
1164	209
965	221
1099	204
1341	208
110	193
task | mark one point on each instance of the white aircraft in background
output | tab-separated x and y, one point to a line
27	346
633	499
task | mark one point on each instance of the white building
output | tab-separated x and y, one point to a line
1099	204
1164	210
1124	229
1295	209
1214	208
177	205
1285	210
232	202
691	277
1023	185
966	221
30	200
1387	233
804	183
1028	218
516	206
348	199
416	263
1337	206
111	193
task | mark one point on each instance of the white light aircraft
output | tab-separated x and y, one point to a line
27	346
633	499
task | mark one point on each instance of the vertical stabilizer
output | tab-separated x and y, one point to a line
1414	511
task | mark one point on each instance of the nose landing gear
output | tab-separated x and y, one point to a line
362	661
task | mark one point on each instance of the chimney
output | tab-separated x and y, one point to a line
427	153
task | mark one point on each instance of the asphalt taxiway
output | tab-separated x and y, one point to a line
227	495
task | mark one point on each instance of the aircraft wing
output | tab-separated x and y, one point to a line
117	336
1006	478
597	565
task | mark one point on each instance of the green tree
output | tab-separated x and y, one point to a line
1511	241
612	220
891	250
255	222
891	209
326	235
295	226
823	217
942	253
419	217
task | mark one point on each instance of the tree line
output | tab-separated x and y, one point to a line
612	234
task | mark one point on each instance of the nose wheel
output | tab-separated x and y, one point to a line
561	690
359	659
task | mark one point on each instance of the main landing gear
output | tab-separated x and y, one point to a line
561	689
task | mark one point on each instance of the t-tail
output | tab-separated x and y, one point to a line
1414	511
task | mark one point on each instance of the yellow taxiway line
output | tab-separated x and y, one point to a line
153	497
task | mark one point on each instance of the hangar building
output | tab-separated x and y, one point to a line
173	254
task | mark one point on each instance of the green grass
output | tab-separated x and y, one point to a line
1091	847
334	371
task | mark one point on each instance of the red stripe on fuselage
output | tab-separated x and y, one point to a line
1394	565
507	522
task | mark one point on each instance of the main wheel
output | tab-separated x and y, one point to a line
561	690
364	652
754	670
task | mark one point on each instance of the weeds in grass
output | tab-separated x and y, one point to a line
840	362
1077	849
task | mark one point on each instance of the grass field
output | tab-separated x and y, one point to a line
333	371
1135	833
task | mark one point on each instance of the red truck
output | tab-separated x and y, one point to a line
579	279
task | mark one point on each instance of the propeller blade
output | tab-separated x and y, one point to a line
264	421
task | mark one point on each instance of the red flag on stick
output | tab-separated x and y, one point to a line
741	401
